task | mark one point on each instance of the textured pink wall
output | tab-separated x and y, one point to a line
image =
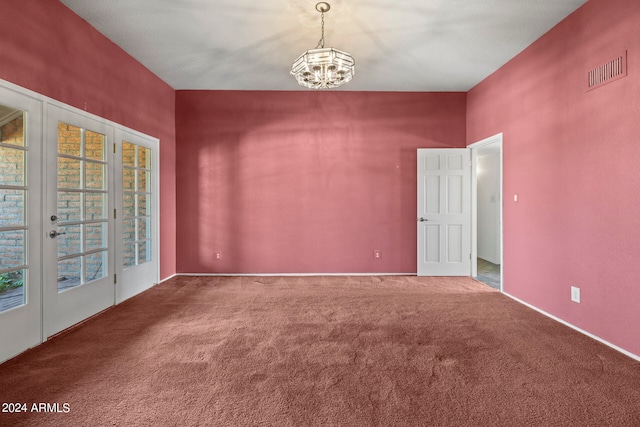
572	156
46	48
304	182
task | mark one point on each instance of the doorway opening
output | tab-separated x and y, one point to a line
486	230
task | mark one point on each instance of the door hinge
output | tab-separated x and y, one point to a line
114	148
115	213
115	279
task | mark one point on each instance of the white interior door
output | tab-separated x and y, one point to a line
20	223
444	212
138	210
79	224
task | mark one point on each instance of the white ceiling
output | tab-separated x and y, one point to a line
398	45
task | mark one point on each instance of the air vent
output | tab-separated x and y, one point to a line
608	72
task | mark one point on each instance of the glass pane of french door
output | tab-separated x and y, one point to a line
82	221
136	186
13	219
20	219
137	176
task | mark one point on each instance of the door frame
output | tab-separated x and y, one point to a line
497	142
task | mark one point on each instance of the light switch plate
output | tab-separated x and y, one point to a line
575	294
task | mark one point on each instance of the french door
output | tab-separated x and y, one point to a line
20	227
137	220
78	216
79	256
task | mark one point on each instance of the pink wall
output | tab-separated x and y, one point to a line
46	48
304	182
572	156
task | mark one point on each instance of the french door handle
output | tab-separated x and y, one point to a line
422	219
55	233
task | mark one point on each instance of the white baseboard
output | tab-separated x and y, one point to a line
557	319
290	274
168	278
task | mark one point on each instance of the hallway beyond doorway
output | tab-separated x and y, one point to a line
488	273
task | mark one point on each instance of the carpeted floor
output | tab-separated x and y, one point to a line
322	351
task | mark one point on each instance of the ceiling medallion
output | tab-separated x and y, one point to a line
323	68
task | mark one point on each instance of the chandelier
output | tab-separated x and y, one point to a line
323	68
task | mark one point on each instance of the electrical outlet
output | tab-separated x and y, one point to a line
218	255
575	294
377	254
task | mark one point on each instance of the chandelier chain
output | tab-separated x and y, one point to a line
321	41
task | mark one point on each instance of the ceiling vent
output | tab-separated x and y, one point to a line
608	72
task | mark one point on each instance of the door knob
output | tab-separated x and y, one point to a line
55	233
422	219
54	218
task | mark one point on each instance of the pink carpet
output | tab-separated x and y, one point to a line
322	351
